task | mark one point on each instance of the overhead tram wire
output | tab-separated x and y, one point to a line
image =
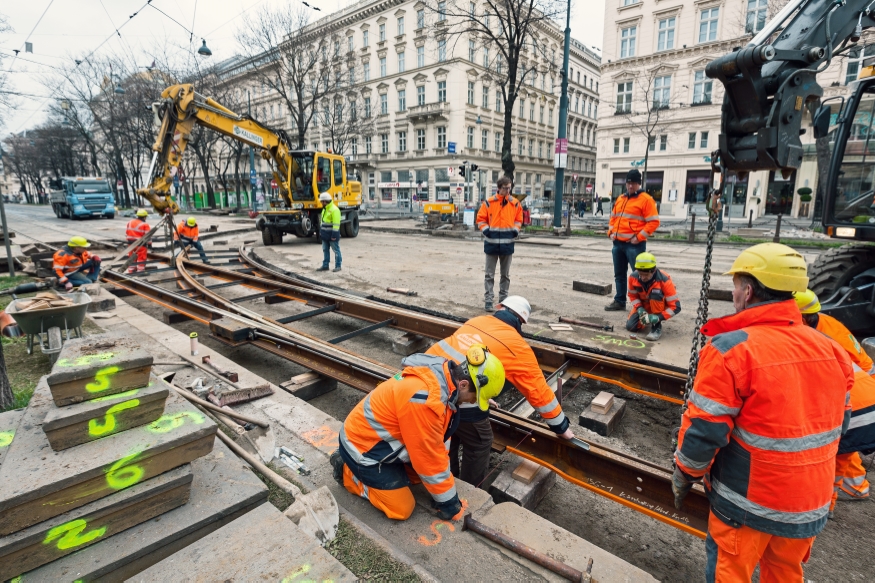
31	33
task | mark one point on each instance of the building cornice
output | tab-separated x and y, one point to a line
708	50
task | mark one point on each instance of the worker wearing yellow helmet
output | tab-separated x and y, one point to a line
187	234
850	475
74	265
396	435
653	296
763	423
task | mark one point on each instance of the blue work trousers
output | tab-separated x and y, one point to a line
186	242
624	255
326	254
89	273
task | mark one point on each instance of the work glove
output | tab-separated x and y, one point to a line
642	315
449	510
653	319
95	258
680	486
68	286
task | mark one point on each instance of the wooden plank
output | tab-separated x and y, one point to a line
98	366
37	483
83	422
525	472
72	531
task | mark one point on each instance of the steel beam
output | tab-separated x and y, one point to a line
361	331
310	314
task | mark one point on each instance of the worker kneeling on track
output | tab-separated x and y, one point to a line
850	475
768	406
397	435
653	296
136	228
501	333
74	265
187	234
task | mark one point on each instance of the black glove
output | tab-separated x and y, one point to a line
449	509
680	486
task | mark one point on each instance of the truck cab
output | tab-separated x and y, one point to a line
81	197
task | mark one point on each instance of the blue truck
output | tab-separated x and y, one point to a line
81	197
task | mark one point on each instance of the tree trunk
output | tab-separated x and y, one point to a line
507	164
6	397
646	160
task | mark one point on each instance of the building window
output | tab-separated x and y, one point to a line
420	95
384	104
401	61
703	142
486	57
691	140
367	107
523	108
486	97
855	58
617	144
520	146
701	88
532	111
708	25
540	150
624	97
627	41
382	32
442	91
756	15
498	101
368	146
364	38
665	40
662	92
402	141
470	93
366	71
651	143
498	141
384	143
531	147
626	145
442	50
541	115
442	137
382	66
402	100
470	139
350	43
472	51
663	143
484	139
354	146
420	139
386	194
629	2
351	76
550	117
420	56
400	25
442	11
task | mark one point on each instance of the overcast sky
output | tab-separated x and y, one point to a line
63	30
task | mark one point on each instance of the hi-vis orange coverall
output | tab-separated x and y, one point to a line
136	228
398	432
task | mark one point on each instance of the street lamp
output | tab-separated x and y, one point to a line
119	90
204	51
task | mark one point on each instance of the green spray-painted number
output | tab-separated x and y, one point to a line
98	427
167	423
121	475
85	360
70	535
101	379
130	393
6	438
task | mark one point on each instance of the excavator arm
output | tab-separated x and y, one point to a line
180	109
771	80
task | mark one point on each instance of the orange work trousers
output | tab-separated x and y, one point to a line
396	504
733	554
141	253
851	482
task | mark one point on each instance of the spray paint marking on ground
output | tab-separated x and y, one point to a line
323	438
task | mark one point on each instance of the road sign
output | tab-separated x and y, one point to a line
459	190
252	178
451	147
451	171
560	153
589	188
119	183
176	181
273	183
574	177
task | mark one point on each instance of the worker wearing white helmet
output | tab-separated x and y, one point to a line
329	232
501	333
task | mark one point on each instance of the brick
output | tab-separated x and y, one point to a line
602	403
525	472
603	424
410	344
528	495
309	385
102	305
592	288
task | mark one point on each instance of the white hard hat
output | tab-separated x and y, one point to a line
519	306
324	197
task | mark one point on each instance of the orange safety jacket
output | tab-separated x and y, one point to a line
405	420
65	262
837	331
634	215
657	296
186	232
521	368
500	219
764	418
136	229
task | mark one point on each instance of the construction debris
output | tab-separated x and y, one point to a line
401	290
561	328
43	301
605	327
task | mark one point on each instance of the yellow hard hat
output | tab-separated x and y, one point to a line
776	266
142	213
191	221
645	261
807	302
78	242
487	372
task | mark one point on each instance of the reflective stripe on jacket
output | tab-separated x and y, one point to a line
136	229
186	232
405	420
633	215
837	331
861	429
769	404
65	262
330	221
499	220
657	296
521	368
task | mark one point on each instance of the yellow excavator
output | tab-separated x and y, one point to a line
301	175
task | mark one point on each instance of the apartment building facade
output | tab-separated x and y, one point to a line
434	105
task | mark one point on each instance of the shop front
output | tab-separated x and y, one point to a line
779	200
654	186
736	195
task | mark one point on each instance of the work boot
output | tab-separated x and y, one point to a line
337	466
489	307
323	268
615	306
655	333
846	497
336	269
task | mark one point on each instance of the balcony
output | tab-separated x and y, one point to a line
428	112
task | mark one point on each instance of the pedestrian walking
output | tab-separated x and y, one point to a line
633	219
499	219
598	206
329	232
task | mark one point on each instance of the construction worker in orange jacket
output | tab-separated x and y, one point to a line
653	296
850	475
499	220
397	434
633	219
187	234
501	333
74	265
136	228
762	427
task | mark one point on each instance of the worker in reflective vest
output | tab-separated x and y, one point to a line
329	232
653	296
187	234
74	265
499	220
850	475
396	435
770	402
136	228
501	333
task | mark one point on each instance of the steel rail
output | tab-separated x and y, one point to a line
637	484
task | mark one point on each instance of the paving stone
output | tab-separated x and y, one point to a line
97	366
101	305
223	488
507	489
75	530
592	288
410	343
89	420
37	483
260	545
603	424
309	385
8	427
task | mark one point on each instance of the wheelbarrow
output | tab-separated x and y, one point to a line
46	326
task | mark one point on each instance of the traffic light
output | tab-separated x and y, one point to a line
473	167
462	171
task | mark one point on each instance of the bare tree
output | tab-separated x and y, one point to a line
343	119
6	99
